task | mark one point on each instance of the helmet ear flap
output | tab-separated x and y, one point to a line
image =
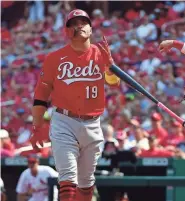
69	32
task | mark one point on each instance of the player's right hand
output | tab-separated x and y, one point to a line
166	46
37	138
104	48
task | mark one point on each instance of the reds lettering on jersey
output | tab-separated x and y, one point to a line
77	80
71	74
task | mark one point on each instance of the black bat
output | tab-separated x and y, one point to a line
129	80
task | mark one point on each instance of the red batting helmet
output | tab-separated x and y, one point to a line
77	13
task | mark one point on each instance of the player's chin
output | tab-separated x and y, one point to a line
83	34
82	37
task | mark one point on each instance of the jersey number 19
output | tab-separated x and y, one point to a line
91	92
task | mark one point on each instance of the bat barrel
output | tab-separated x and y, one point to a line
129	80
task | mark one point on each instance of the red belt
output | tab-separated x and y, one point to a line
71	114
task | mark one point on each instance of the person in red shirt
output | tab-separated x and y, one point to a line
16	123
74	77
176	135
98	18
157	128
154	150
131	15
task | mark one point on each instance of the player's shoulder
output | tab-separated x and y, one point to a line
47	171
26	172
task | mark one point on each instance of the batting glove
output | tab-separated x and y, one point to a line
37	137
104	48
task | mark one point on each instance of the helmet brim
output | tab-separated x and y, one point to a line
68	22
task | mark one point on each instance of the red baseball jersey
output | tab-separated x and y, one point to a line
77	80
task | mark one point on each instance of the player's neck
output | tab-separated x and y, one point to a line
79	46
34	173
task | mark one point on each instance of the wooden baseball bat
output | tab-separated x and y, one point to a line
129	80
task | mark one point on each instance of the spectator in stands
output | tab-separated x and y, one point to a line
8	53
121	120
154	149
179	7
98	18
147	31
110	140
179	153
16	123
175	137
54	10
36	11
151	63
25	132
135	14
121	136
180	150
141	139
22	78
157	128
7	147
129	141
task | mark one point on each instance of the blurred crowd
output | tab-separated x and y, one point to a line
130	121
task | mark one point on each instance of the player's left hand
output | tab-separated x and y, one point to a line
104	48
166	46
37	138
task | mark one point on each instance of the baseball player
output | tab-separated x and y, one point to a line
74	76
166	45
32	184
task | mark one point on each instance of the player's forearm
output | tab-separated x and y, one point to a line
38	113
41	96
179	45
